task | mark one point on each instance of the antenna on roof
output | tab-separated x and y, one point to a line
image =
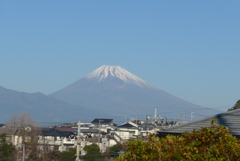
156	116
192	116
181	117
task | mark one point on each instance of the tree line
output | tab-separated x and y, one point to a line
213	143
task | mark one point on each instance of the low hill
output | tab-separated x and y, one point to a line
42	108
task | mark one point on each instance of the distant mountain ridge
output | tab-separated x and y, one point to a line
42	107
115	90
106	92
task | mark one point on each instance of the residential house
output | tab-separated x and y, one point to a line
103	124
61	140
91	133
130	126
9	132
229	119
124	132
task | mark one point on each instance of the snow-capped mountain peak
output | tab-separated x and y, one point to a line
114	90
105	71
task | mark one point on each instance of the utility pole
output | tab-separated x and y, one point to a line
155	114
78	141
147	127
99	132
192	116
23	152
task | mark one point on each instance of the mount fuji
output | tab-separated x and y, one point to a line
116	91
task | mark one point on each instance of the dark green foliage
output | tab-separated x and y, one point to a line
115	149
236	106
6	148
68	155
93	152
52	155
213	143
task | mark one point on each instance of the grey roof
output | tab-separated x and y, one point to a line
230	119
102	121
74	130
127	125
92	131
11	131
53	132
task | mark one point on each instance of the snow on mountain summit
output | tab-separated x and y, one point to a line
105	71
116	91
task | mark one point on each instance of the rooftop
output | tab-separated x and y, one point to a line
102	121
229	119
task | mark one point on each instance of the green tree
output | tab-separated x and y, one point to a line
93	152
6	148
116	149
213	143
51	155
236	106
68	155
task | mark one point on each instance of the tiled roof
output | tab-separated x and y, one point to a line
128	125
230	119
11	131
92	131
102	121
89	130
66	129
54	132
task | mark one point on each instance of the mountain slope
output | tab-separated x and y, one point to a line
117	91
41	107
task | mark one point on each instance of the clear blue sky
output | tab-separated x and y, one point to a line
190	49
